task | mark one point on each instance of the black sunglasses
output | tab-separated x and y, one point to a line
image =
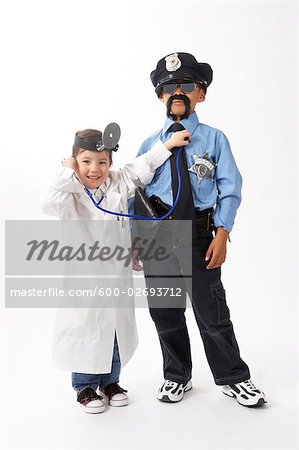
171	88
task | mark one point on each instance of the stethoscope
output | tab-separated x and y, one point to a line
110	140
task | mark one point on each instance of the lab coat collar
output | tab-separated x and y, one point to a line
111	200
101	190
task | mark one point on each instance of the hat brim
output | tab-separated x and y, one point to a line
181	76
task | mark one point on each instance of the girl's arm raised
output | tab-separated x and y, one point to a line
141	170
58	199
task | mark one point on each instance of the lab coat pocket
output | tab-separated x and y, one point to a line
82	323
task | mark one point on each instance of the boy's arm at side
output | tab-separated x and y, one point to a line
229	184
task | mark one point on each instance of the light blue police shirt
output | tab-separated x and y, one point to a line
222	191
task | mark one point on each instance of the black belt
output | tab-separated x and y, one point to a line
203	219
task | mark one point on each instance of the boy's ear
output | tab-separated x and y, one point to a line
201	96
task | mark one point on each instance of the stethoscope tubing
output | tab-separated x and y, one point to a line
135	216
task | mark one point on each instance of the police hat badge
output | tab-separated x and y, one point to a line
173	62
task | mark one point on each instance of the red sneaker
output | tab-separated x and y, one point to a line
90	401
114	395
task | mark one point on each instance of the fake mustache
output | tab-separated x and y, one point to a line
186	101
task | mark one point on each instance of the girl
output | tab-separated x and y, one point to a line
94	343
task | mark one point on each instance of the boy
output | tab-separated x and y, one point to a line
210	196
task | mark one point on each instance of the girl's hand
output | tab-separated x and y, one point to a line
69	162
178	139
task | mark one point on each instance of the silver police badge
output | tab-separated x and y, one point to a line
173	62
203	167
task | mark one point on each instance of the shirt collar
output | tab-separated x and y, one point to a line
190	123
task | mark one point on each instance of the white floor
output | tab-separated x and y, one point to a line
41	411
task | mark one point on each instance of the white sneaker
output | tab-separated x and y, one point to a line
90	402
172	392
114	395
246	393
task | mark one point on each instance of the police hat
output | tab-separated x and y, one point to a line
181	66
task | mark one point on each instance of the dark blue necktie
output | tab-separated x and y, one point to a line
185	207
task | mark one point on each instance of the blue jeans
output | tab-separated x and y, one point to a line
82	380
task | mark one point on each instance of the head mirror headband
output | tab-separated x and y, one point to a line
109	140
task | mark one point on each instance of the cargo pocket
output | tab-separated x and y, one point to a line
218	293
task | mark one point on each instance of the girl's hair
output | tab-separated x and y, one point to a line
90	136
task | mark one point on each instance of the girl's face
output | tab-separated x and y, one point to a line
93	168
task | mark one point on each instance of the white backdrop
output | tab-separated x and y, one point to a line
82	64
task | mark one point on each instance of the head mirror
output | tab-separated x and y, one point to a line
111	136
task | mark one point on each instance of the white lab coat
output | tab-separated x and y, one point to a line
84	337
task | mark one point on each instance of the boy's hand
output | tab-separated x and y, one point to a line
178	139
70	162
217	249
135	260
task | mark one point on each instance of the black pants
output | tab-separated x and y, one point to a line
210	310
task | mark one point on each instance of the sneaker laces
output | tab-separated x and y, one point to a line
249	384
113	389
170	383
88	394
